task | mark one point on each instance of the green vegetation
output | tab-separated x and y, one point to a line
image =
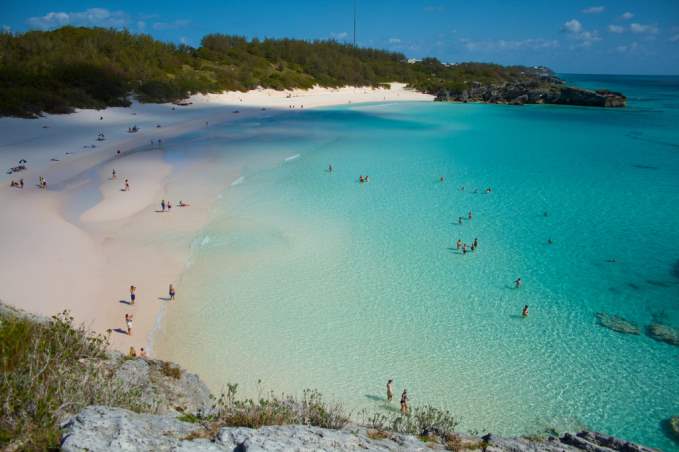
57	71
426	422
48	371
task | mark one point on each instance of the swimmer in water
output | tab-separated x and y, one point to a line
525	311
469	215
549	241
517	283
458	244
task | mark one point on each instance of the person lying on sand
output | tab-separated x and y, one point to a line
183	204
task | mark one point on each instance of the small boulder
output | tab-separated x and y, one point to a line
616	323
663	333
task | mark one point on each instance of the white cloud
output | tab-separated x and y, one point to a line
627	16
594	10
577	32
394	41
616	29
339	36
572	26
502	44
93	17
141	25
179	23
6	29
629	48
643	28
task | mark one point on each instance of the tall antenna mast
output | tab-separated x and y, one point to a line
354	23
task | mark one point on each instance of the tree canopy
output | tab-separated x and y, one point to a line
76	67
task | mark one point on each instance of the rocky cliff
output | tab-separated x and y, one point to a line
549	90
100	428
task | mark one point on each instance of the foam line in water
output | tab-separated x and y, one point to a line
205	241
292	157
238	181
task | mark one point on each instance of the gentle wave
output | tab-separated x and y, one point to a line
238	181
205	241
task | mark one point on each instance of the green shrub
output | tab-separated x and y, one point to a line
48	371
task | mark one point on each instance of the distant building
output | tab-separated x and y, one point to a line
413	60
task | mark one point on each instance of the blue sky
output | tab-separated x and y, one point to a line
598	36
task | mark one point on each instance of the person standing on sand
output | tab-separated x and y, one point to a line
21	183
390	390
525	311
169	206
113	174
133	352
517	283
162	205
133	296
404	402
127	185
172	292
128	322
142	353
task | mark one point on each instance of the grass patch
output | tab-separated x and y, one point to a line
377	434
48	371
170	370
191	418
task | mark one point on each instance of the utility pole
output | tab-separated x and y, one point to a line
354	23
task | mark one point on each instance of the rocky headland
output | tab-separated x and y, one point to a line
532	86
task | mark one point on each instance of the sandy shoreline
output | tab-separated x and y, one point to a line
80	244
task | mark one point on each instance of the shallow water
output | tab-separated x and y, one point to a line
306	278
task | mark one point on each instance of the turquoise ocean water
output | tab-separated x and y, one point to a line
305	278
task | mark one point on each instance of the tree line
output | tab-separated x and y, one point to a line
77	67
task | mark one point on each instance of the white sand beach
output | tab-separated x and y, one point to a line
81	243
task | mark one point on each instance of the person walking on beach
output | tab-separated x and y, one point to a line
172	292
404	402
133	296
162	205
525	311
518	283
128	322
113	174
21	183
127	185
169	206
390	390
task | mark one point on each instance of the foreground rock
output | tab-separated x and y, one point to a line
616	323
663	333
98	428
165	387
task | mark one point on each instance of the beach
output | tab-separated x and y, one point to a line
81	244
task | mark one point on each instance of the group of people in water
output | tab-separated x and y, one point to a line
461	246
405	407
